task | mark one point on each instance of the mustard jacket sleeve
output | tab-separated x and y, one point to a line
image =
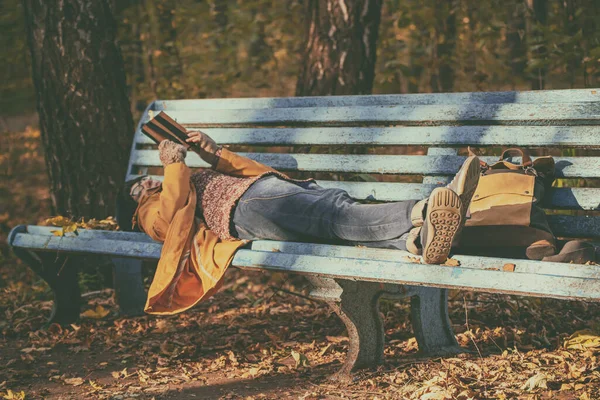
233	164
156	216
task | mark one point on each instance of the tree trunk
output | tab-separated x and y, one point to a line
340	50
537	42
85	119
442	80
220	12
515	38
573	51
591	40
164	61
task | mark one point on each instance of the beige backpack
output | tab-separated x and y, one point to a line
505	214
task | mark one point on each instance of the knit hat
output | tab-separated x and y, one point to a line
126	206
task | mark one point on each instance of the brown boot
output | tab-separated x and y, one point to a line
465	183
540	249
576	252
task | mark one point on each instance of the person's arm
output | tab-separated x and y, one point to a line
233	164
156	216
223	160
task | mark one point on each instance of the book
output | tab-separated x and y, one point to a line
163	127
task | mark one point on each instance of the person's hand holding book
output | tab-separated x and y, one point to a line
162	127
204	145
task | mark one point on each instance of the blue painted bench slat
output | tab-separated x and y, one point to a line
529	277
352	279
494	135
567	167
535	97
507	113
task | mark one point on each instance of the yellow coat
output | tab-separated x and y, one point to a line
193	258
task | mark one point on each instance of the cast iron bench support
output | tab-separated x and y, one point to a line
60	271
357	305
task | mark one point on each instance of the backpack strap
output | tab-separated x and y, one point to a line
525	157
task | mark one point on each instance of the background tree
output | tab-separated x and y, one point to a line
442	79
538	10
253	48
340	49
85	120
516	26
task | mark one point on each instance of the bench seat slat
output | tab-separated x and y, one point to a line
472	262
509	114
537	96
92	234
567	167
546	136
542	279
74	244
527	284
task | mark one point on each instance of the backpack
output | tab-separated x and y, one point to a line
505	215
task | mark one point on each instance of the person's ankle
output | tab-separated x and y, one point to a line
417	215
413	241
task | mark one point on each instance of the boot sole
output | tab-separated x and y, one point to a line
444	220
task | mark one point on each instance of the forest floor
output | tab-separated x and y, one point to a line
256	339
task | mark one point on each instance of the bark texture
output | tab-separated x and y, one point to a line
516	27
341	45
85	119
537	43
442	78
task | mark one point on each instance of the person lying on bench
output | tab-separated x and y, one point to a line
204	217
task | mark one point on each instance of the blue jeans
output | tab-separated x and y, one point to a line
275	209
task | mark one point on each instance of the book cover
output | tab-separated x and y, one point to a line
163	127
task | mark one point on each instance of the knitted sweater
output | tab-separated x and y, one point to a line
217	194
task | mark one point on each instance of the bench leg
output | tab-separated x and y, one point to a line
60	273
129	288
356	303
431	324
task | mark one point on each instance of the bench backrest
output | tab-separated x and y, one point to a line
399	147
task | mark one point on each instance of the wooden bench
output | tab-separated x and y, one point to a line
352	279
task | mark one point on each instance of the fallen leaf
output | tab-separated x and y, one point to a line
301	360
142	376
582	340
10	395
74	381
95	385
451	262
162	326
337	339
28	350
325	350
58	221
537	381
99	313
434	396
508	267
